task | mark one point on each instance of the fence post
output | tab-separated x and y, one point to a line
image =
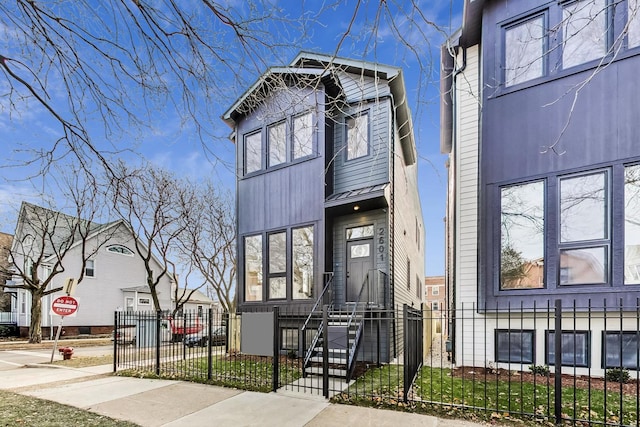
325	351
558	361
158	319
115	341
276	348
405	370
209	343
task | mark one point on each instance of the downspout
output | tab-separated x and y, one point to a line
451	267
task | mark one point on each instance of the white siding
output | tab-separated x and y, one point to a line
466	157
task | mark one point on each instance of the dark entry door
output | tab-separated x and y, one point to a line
359	262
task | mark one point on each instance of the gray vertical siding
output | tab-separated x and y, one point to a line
371	169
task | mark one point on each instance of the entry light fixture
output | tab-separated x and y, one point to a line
356	207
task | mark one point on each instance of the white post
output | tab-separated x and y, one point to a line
55	343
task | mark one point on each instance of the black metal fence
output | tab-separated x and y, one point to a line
498	362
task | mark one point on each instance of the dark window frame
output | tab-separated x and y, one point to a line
291	138
244	268
523	332
367	113
549	344
286	144
246	136
280	274
605	352
505	27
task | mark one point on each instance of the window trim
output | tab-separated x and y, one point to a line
523	332
354	116
244	152
540	13
291	139
603	345
93	268
244	269
126	252
609	22
280	274
548	345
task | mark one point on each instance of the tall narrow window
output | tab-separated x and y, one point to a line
277	265
584	31
632	225
524	51
522	236
584	229
302	136
90	268
408	274
302	259
357	136
277	140
253	268
633	17
252	152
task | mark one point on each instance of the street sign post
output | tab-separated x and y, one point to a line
62	306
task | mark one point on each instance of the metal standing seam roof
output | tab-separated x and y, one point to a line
358	192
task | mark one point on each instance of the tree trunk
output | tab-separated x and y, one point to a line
35	326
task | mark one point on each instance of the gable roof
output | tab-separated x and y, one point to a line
325	67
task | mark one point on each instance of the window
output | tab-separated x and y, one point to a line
253	268
524	51
514	346
633	17
90	268
584	229
359	232
418	287
575	348
252	152
302	136
119	249
144	301
277	140
584	29
620	349
289	339
277	265
632	224
357	136
418	236
360	251
435	290
522	236
435	305
23	302
302	260
200	311
408	274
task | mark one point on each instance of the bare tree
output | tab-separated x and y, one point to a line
210	242
157	207
46	240
104	69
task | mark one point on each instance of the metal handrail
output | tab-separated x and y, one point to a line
309	351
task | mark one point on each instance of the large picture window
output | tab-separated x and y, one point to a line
253	268
522	236
302	136
584	30
252	153
277	265
584	229
302	260
632	225
524	50
357	136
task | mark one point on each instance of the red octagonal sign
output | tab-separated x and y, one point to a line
64	306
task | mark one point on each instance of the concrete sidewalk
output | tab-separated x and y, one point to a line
150	402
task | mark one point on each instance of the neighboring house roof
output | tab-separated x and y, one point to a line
143	289
329	66
196	296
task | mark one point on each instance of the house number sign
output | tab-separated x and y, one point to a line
381	239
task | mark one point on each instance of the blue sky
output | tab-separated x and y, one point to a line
395	34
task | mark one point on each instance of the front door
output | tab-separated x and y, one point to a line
359	262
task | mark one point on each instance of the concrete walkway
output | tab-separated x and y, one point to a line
151	402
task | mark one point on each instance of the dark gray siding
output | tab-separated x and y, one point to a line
371	169
380	222
289	195
587	114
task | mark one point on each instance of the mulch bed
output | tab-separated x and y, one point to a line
632	387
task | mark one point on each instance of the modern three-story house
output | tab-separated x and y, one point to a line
539	108
327	198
